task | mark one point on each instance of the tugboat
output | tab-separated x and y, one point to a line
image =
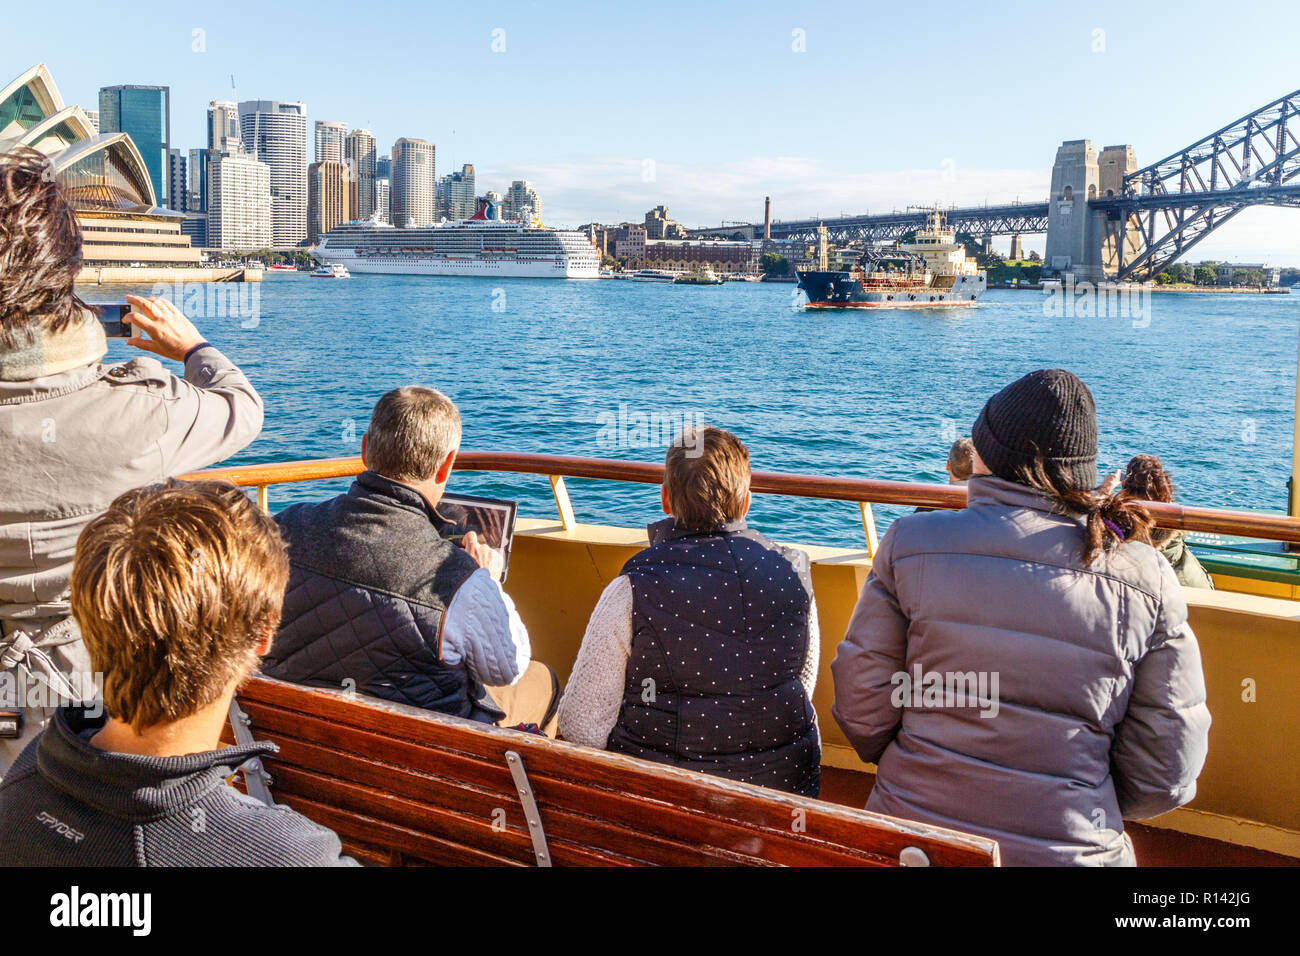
930	271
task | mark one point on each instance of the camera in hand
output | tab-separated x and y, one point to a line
112	315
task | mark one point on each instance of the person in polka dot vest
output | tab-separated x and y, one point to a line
703	653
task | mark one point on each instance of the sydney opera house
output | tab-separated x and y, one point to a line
105	178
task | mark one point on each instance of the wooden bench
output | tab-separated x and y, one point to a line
403	786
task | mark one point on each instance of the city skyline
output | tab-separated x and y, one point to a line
727	112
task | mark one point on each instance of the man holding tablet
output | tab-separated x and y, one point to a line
380	601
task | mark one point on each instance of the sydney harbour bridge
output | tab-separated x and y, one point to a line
1105	218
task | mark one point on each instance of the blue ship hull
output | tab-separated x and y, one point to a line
842	290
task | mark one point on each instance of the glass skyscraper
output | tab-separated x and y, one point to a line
144	114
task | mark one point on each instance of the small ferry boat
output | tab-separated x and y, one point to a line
331	271
281	267
931	270
704	276
654	275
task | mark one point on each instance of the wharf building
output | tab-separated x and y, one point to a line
275	133
634	250
105	179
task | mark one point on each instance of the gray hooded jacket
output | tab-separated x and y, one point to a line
1072	697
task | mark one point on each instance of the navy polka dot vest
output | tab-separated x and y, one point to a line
720	632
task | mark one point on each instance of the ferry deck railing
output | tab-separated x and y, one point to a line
864	492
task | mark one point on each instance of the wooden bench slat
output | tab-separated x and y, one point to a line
698	832
595	806
476	832
559	823
353	827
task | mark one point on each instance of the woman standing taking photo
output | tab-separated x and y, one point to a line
1046	595
78	431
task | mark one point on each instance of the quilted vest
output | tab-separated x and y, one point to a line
720	634
369	582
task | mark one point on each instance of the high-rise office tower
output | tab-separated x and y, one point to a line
177	186
275	133
197	200
383	197
384	168
521	202
93	116
223	126
359	155
329	141
327	198
414	185
456	195
239	203
144	114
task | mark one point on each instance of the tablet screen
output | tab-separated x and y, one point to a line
493	519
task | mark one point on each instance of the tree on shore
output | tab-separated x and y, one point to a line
1206	275
774	264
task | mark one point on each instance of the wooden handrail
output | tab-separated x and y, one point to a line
907	493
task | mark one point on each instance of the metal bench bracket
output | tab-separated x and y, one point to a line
516	764
256	780
913	856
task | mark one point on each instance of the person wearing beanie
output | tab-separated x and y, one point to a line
1023	668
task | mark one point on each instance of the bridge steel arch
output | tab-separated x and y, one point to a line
1175	203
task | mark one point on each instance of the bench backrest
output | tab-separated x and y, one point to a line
406	786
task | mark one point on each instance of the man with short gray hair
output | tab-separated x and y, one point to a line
379	602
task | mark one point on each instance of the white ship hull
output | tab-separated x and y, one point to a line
393	265
469	247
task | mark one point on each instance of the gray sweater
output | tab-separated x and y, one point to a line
67	803
1098	711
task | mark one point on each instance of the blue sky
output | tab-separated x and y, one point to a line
611	108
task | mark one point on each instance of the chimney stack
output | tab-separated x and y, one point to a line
767	218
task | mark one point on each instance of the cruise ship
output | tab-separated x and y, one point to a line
479	246
930	271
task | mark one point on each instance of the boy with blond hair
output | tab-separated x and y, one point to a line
177	591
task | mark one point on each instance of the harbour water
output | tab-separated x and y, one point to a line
566	367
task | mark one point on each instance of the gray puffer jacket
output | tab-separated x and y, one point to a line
1088	705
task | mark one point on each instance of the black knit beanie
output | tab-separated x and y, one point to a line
1049	413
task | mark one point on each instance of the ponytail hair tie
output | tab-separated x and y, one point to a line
1119	533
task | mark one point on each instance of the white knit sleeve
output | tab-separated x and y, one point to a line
482	630
594	695
811	660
